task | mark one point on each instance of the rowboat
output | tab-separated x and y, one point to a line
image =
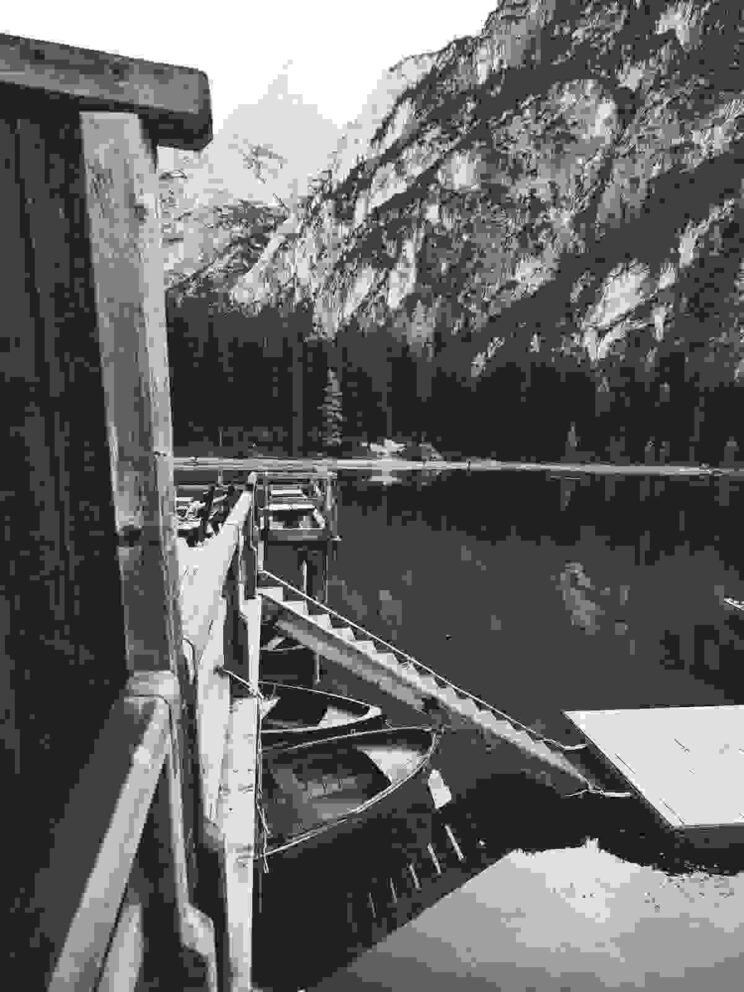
317	791
292	714
293	509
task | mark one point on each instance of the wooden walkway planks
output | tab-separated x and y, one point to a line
685	761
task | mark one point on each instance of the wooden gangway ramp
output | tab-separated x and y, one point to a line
685	762
345	643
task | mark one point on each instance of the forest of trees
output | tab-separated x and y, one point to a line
234	383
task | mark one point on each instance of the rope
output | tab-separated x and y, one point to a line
514	723
592	790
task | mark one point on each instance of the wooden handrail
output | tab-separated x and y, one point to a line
78	893
200	598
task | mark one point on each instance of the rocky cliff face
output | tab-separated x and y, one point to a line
220	206
563	191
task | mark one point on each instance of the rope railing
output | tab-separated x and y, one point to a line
421	667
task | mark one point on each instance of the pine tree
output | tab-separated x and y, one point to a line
332	413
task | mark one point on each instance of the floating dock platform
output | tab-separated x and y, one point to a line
684	762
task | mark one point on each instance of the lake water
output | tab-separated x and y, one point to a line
543	594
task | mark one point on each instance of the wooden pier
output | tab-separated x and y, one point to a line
299	510
683	762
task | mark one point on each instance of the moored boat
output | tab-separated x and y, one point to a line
294	715
314	792
293	508
284	660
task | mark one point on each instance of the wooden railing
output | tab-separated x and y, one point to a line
212	605
221	615
118	866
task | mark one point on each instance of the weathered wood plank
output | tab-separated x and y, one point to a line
173	99
125	955
250	611
126	262
200	598
190	935
130	309
237	822
79	890
60	622
213	717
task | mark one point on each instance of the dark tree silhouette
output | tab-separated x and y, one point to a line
332	413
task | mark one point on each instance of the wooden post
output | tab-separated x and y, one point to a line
124	232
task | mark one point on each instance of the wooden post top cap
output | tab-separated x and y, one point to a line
173	99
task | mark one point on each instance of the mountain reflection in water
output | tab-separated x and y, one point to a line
541	595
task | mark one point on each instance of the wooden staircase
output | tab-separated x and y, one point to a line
341	641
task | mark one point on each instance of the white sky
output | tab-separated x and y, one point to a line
338	48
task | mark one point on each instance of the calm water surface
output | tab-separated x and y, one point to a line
543	594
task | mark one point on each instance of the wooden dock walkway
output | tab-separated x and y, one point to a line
684	762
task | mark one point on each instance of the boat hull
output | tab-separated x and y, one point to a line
401	801
312	711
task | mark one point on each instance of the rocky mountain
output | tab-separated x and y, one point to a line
549	212
219	206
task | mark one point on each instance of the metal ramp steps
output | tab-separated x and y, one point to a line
341	641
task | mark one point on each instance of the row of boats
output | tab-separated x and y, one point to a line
329	763
340	790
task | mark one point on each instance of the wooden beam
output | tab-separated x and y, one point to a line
213	717
126	952
126	264
130	310
203	594
237	822
78	892
173	100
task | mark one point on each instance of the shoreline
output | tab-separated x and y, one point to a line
388	466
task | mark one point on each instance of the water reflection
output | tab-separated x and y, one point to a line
542	595
613	599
